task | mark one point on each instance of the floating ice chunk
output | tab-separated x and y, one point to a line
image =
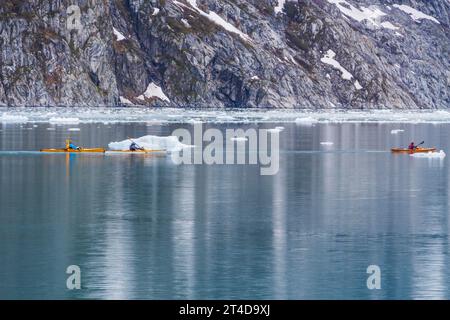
276	130
239	139
119	36
64	120
74	129
13	118
194	121
306	121
327	143
357	85
171	144
255	78
415	14
225	118
155	12
153	91
430	155
328	58
397	131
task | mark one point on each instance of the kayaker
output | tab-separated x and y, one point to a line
412	146
71	146
135	147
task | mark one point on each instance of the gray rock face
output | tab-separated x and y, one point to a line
311	54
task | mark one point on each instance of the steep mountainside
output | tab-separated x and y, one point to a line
226	53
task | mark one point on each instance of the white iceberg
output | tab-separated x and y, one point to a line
170	144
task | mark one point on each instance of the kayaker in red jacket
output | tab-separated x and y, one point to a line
412	146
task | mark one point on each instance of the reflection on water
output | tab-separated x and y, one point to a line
141	227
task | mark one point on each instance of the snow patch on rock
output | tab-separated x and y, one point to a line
119	36
153	91
328	58
415	14
214	17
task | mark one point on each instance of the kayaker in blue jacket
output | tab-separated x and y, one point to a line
71	146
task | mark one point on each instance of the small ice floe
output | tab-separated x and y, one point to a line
241	139
306	121
73	129
397	131
327	143
155	12
225	118
58	120
194	121
276	130
357	85
430	155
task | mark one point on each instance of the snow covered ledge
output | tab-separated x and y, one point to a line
153	91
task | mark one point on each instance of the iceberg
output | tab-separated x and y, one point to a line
170	144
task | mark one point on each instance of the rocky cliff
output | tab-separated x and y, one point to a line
226	53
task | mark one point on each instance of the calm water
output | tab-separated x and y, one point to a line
144	228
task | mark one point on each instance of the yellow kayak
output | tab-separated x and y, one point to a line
95	150
418	150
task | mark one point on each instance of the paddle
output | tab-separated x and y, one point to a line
417	147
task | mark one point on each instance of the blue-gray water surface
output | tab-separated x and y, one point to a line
141	227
